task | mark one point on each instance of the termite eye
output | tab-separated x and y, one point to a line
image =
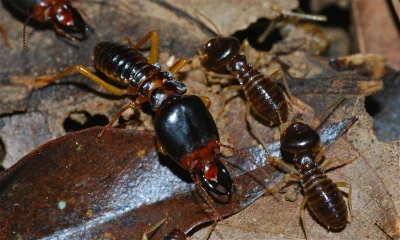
221	188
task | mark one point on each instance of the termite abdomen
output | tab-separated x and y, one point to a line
123	63
326	202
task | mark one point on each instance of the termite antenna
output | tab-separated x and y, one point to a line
238	152
281	126
244	156
24	32
209	20
329	108
126	5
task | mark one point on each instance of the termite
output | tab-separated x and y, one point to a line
262	93
61	15
321	194
369	64
184	127
317	41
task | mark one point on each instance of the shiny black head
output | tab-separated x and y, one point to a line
219	51
299	137
217	181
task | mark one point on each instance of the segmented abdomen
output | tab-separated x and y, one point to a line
325	201
175	234
264	95
123	63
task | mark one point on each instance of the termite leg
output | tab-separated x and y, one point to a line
119	113
252	129
92	24
303	222
130	43
278	73
222	96
347	185
206	101
153	228
235	150
62	33
45	80
276	162
294	101
258	58
178	65
288	178
153	56
267	32
207	236
3	32
283	125
320	155
219	75
244	47
326	164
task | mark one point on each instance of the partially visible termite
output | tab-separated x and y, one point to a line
64	16
317	41
262	93
369	64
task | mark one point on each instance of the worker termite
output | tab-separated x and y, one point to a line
184	127
321	194
262	93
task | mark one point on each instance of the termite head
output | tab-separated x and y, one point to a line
63	16
299	137
188	134
217	181
219	51
70	20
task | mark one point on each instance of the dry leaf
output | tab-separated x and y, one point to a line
38	115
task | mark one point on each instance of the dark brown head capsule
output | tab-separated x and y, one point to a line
219	52
299	137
